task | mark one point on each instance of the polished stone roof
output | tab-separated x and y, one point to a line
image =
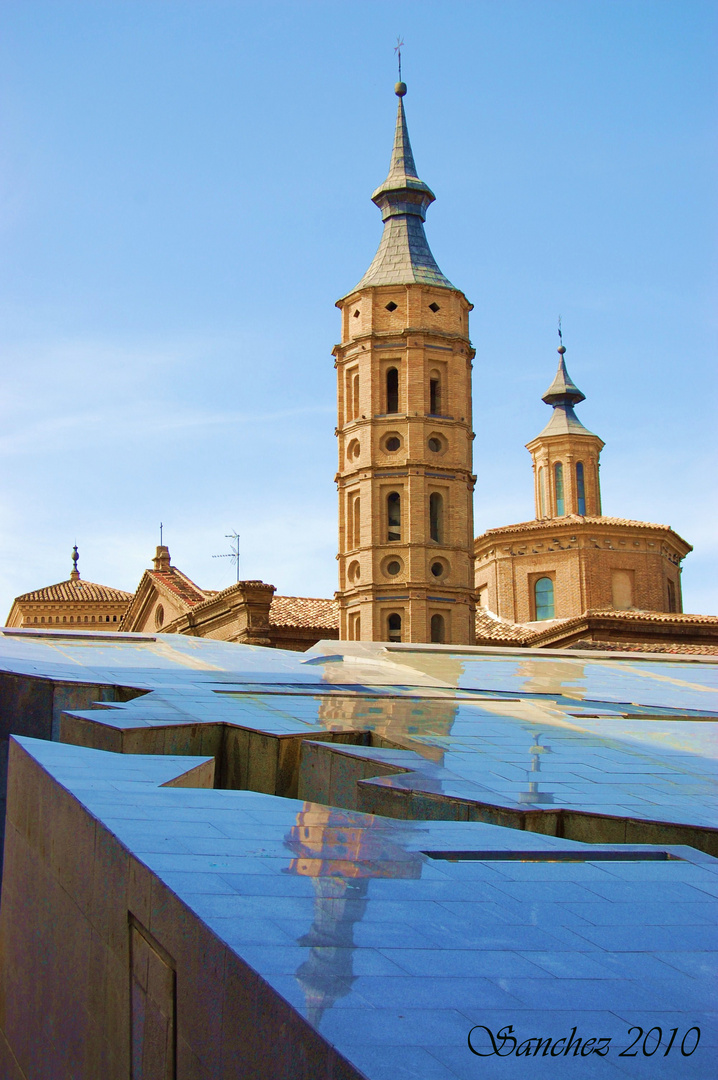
403	256
392	936
470	708
392	939
76	591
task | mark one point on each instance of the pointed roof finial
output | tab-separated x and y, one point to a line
562	391
563	394
75	573
404	256
397	49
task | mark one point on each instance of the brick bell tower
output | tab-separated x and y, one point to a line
565	455
405	432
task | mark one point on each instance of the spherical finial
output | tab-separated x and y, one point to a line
400	89
561	349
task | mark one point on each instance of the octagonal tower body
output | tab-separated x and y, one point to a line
405	432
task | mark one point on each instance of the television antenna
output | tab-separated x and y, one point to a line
234	550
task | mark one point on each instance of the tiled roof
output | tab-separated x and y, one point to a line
667	617
490	627
663	619
70	590
572	520
174	580
646	647
223	595
304	611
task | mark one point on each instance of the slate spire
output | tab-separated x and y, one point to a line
563	391
404	256
563	394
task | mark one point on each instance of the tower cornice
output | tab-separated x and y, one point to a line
387	338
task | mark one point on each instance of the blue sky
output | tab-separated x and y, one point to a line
185	193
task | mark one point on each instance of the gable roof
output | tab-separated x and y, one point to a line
182	587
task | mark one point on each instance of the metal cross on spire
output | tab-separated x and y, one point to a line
560	335
161	528
234	552
397	49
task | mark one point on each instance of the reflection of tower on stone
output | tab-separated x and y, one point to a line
404	429
532	794
341	857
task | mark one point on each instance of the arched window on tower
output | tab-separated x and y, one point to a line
542	491
394	627
580	489
438	632
392	390
352	395
353	520
558	489
543	598
357	521
435	393
393	513
436	517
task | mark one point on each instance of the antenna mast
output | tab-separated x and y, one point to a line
234	550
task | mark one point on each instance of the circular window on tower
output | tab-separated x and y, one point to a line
391	443
437	443
354	572
439	568
159	616
353	450
391	566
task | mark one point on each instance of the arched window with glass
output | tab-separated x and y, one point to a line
558	489
544	598
394	627
580	489
436	517
438	629
393	516
392	390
